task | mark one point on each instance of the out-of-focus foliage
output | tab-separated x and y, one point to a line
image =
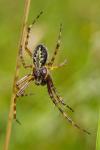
43	127
98	135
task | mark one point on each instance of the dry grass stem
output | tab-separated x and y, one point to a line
21	41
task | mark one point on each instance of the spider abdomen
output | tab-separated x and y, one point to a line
40	56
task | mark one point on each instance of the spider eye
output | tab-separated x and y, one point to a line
43	71
36	73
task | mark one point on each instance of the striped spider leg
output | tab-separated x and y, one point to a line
21	85
51	62
51	67
54	97
28	30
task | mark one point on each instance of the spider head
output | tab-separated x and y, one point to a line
40	75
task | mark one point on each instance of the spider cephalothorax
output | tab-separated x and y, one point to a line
41	75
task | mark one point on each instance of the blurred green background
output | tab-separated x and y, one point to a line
43	127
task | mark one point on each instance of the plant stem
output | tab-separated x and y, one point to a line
98	133
21	42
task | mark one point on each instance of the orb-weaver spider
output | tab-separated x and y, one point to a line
41	74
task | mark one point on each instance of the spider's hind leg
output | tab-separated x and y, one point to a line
22	59
56	48
28	30
28	34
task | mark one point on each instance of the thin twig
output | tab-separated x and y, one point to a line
21	41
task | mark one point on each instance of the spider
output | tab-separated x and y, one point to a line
41	74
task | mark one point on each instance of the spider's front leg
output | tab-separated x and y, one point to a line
21	85
58	97
55	101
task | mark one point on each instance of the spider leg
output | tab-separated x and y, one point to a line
22	80
49	87
14	111
23	83
27	94
19	93
22	59
26	43
28	33
56	48
57	66
59	98
21	90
